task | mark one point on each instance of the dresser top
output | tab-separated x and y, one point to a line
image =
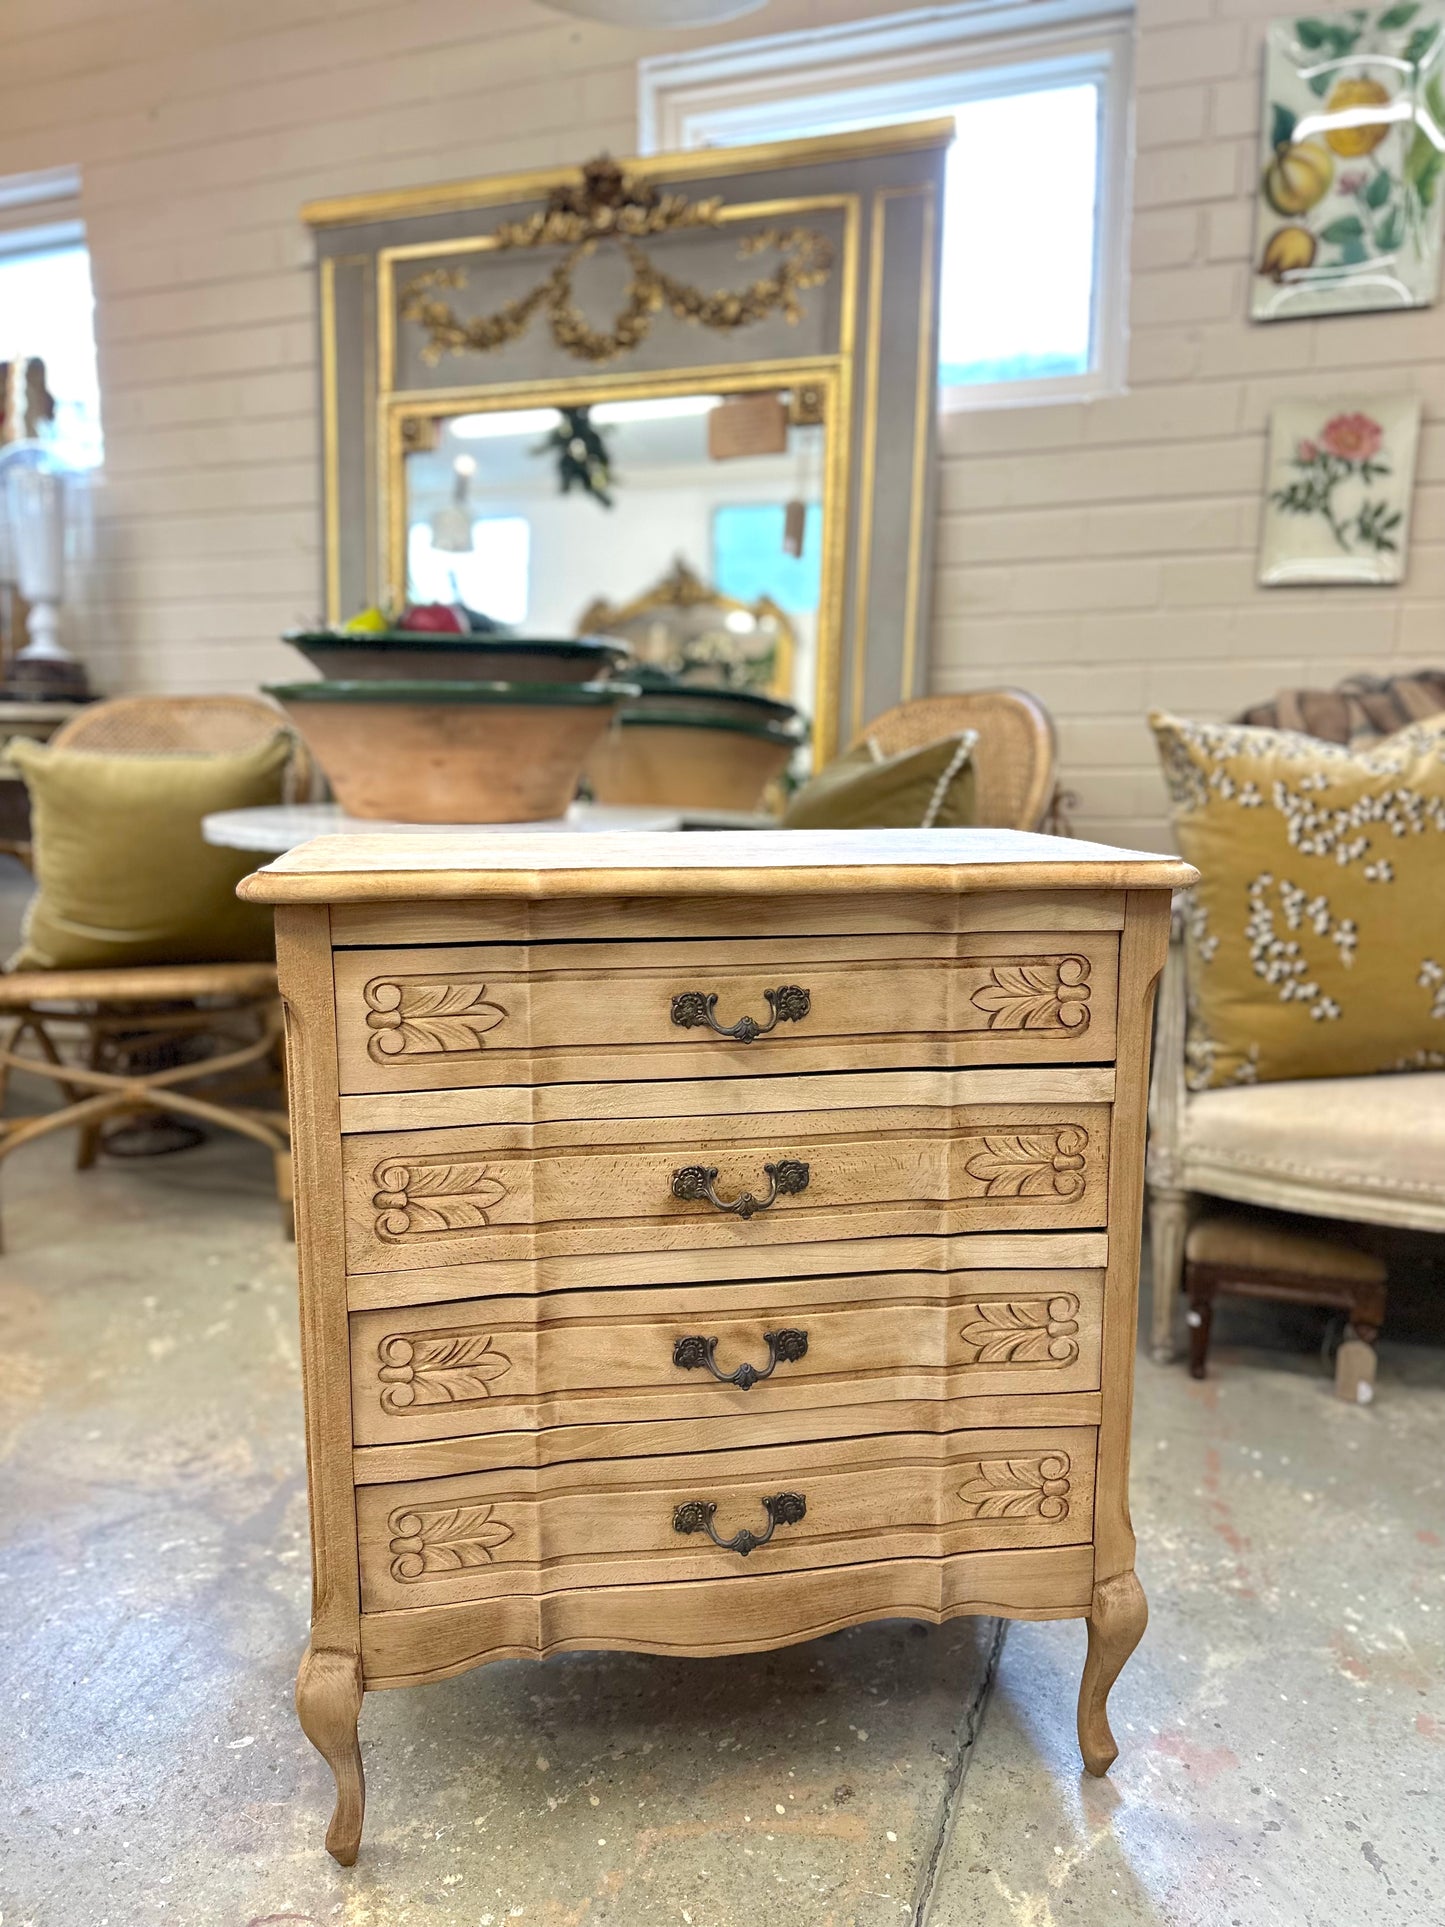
443	863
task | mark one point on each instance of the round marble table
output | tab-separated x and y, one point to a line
273	829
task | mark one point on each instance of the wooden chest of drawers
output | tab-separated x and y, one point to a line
707	1242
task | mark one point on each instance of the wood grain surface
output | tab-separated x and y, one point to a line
977	1250
709	1617
599	1523
655	919
388	866
548	1191
489	1014
603	1357
858	1418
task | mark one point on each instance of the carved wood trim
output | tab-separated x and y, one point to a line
451	1538
1043	993
1032	1487
1021	1331
433	1197
438	1368
427	1016
1031	1164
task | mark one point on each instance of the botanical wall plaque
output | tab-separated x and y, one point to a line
1337	507
1352	149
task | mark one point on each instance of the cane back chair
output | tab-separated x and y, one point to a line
138	1028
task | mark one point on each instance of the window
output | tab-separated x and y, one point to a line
1032	300
47	307
749	560
490	577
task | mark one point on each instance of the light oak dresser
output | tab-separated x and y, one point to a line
710	1241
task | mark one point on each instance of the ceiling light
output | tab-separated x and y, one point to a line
497	427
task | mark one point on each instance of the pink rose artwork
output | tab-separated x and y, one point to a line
1354	438
1347	447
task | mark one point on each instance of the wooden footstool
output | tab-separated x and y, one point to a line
1255	1259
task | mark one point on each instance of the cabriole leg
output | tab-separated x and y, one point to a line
328	1702
1116	1624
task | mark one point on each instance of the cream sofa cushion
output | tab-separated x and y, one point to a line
1352	1138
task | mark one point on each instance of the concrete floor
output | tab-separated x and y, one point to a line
1282	1726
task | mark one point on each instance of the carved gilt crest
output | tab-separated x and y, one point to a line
608	208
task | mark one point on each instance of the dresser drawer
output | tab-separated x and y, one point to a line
707	1617
776	1509
489	1365
752	1178
490	1014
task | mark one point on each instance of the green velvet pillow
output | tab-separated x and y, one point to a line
123	873
922	789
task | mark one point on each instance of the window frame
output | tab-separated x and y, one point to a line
909	66
40	214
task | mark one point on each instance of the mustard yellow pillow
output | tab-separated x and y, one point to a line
123	873
1316	934
928	789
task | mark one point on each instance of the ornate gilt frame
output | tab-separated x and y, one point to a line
870	635
664	595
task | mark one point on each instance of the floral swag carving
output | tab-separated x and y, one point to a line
609	209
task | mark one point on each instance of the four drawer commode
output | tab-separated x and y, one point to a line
710	1241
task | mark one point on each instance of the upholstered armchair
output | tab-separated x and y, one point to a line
1367	1150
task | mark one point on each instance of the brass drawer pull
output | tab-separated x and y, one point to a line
783	1509
694	1009
785	1347
695	1182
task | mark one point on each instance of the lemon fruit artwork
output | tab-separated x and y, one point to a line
1352	156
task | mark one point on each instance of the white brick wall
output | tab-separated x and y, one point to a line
1101	555
1147	506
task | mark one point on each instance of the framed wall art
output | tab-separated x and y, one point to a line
1352	151
1337	500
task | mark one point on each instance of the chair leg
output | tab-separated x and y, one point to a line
1168	1224
1200	1318
87	1143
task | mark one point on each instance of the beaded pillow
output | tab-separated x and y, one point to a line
1316	934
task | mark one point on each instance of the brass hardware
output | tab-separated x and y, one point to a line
694	1182
420	435
783	1509
807	406
694	1009
785	1347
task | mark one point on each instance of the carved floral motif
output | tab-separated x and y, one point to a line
432	1197
1031	1164
1047	993
1021	1331
438	1368
421	1016
1031	1487
429	1539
